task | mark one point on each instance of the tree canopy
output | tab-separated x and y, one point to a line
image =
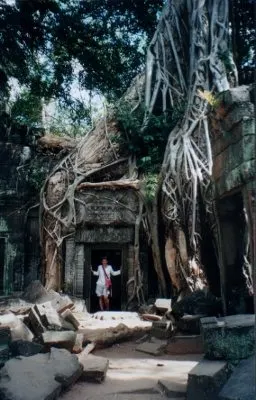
46	43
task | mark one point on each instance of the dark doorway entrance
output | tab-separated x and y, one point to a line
114	257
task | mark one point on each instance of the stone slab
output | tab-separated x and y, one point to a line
25	348
5	335
35	322
206	379
241	384
64	339
40	377
173	389
153	348
70	317
162	329
94	368
190	323
230	338
163	305
49	316
185	344
17	328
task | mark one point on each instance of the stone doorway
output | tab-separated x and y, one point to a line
115	258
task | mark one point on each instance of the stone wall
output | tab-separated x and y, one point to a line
234	173
21	172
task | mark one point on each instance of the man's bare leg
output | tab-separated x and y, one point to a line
106	301
101	302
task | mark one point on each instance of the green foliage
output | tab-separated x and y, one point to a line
35	174
27	109
46	44
148	143
151	183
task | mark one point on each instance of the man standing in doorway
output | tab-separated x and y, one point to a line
103	285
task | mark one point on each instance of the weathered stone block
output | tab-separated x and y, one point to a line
155	348
235	95
25	348
231	338
172	389
34	292
190	324
206	379
94	368
185	344
241	384
5	335
17	328
69	316
35	322
163	305
162	329
64	339
40	377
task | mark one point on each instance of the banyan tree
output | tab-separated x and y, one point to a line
188	63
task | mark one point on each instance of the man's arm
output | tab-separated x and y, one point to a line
114	273
95	273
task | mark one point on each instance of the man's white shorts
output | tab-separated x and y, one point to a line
101	290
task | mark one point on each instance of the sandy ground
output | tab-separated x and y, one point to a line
133	375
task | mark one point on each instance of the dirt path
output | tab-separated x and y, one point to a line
133	375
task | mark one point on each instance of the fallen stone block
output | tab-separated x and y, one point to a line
25	348
185	344
78	346
63	339
162	329
163	305
34	292
94	368
40	377
173	389
35	322
190	324
4	354
155	348
78	305
69	316
228	338
241	384
5	335
49	316
206	379
18	329
60	302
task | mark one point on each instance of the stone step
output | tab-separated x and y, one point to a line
155	348
185	344
173	390
241	384
206	379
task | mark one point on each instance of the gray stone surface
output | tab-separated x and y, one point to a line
154	348
185	344
69	316
241	384
206	379
173	389
162	329
19	331
229	338
40	377
94	368
49	316
5	335
64	339
190	323
35	322
25	348
163	305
